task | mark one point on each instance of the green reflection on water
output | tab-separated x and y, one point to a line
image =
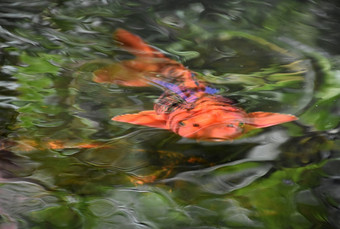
264	55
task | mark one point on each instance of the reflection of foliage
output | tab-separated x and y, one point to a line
281	196
234	44
36	87
324	113
43	100
299	151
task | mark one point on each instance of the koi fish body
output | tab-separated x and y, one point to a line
188	106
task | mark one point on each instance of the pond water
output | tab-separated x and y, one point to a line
275	56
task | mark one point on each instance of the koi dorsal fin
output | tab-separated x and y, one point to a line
135	45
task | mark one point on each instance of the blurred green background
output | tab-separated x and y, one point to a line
275	56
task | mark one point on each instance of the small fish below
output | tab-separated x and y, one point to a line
188	106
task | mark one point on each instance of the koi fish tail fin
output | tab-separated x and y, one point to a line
136	72
135	45
148	59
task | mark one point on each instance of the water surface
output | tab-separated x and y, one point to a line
275	56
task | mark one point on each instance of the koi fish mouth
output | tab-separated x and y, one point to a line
215	132
216	139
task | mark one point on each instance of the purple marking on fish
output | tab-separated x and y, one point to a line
210	90
177	89
172	87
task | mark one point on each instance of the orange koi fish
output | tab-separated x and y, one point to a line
188	106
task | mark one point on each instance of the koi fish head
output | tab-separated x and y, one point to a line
222	125
211	125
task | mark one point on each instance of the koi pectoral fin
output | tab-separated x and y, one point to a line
265	119
144	118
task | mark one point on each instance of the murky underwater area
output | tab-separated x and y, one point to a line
65	164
